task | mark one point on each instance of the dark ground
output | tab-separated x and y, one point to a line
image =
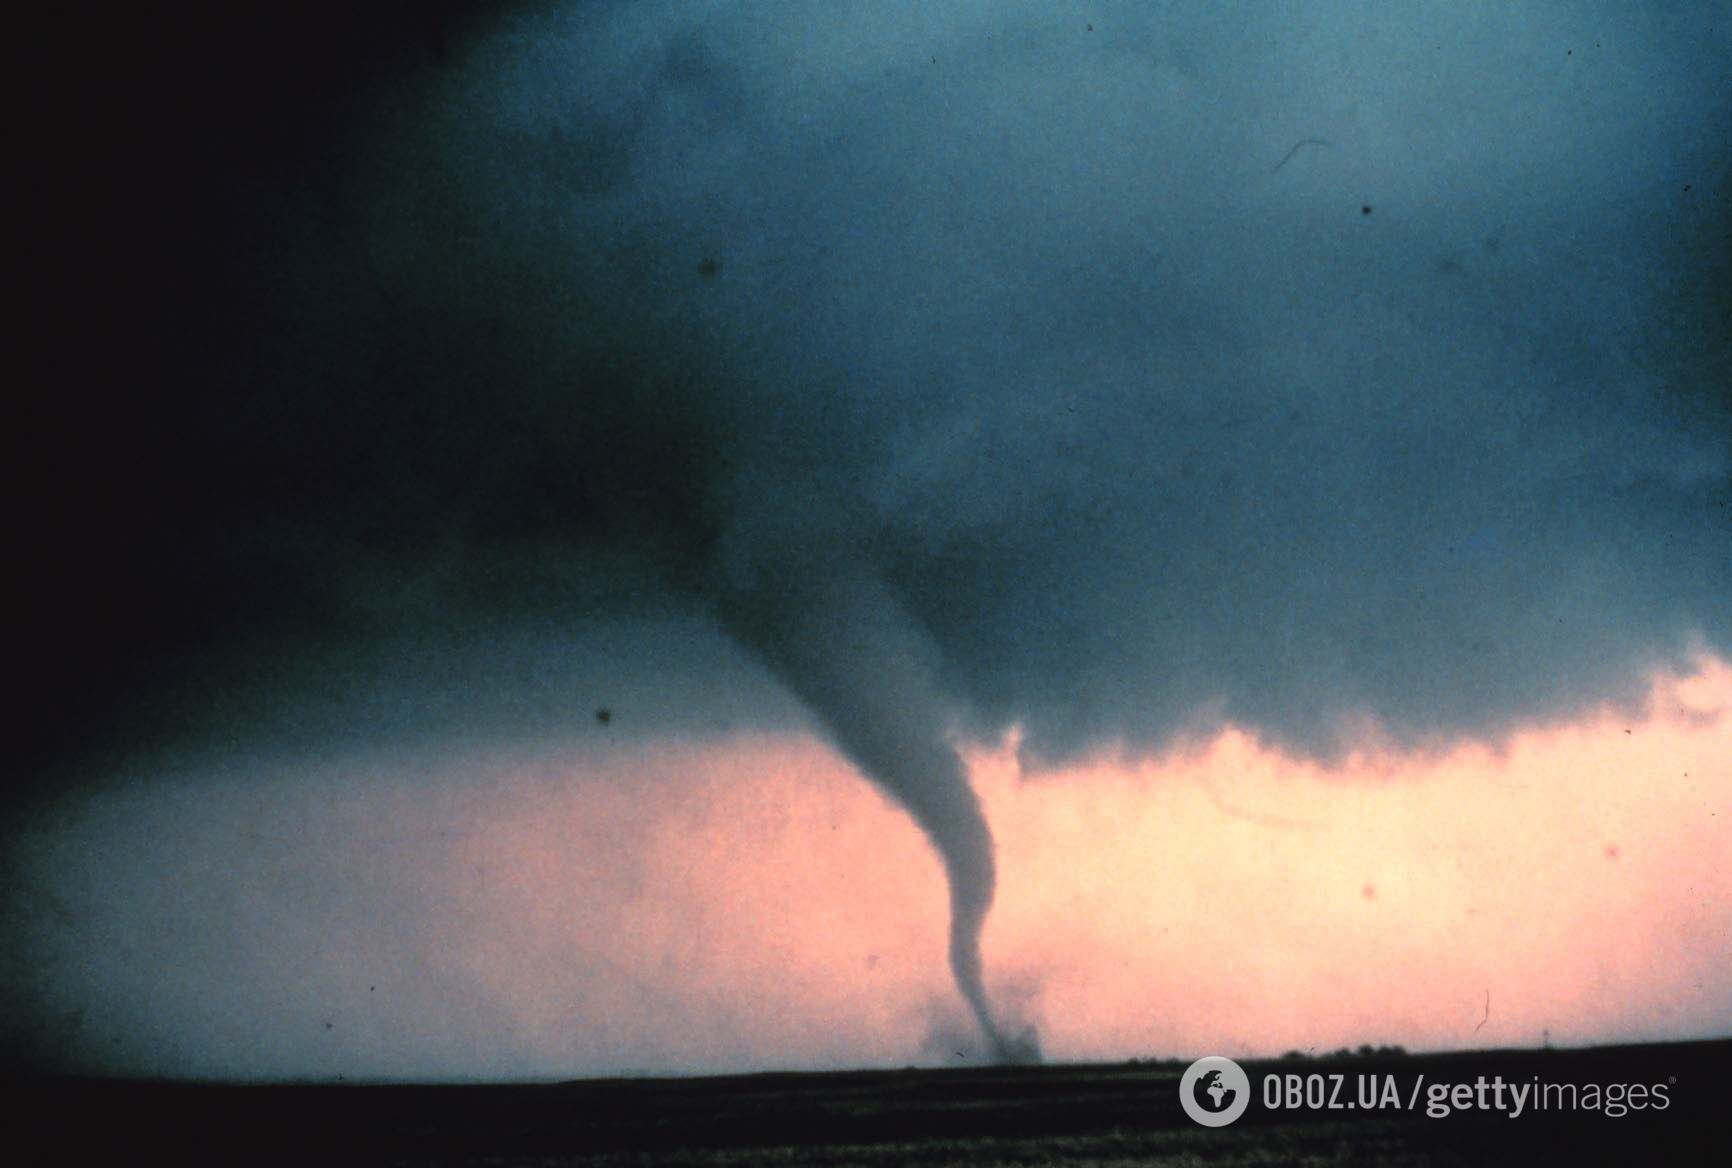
1096	1115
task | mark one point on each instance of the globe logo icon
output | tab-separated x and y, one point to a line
1214	1091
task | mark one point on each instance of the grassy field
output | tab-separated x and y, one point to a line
1075	1115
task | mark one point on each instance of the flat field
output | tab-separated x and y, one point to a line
1097	1115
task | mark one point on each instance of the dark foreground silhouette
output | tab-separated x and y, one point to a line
1078	1114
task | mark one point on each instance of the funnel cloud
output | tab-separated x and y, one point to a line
841	645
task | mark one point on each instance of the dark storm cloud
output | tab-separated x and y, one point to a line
1016	320
971	369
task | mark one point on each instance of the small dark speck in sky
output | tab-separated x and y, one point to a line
709	267
1365	209
604	715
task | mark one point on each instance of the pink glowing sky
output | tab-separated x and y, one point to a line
677	905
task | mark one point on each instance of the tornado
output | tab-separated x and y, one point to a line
847	651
